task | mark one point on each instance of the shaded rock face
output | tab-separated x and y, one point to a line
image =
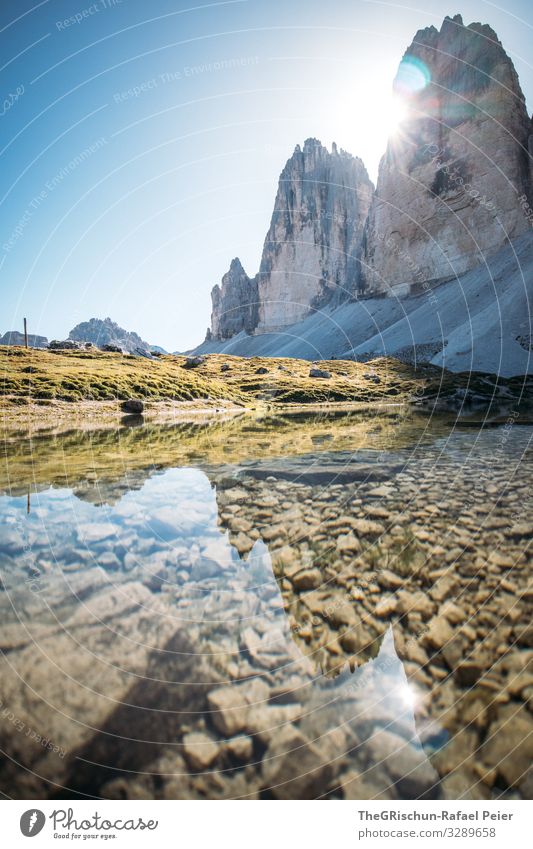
107	332
311	249
454	182
235	306
312	246
14	337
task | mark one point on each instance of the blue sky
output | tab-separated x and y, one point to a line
141	142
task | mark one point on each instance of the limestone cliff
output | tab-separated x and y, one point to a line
454	186
235	306
311	250
312	246
454	180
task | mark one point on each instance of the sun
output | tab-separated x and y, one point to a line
386	116
376	116
396	114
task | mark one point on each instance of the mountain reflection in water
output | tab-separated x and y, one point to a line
317	607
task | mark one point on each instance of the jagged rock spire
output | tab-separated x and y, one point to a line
311	248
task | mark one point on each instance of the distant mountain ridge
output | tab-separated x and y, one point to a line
15	337
105	331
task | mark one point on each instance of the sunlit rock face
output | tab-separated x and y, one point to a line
311	249
235	306
312	245
453	182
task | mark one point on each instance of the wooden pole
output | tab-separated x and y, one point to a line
25	333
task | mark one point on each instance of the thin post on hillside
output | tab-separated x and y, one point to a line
25	333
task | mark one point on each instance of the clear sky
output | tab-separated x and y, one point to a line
141	143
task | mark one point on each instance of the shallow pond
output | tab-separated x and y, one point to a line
289	607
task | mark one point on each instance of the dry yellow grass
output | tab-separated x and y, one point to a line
95	375
48	379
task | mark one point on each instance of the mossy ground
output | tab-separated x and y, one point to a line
45	377
98	376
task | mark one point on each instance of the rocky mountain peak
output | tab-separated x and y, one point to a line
311	249
236	266
450	181
105	331
234	303
312	246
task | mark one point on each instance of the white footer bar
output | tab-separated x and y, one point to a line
257	825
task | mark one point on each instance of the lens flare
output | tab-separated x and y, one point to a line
412	76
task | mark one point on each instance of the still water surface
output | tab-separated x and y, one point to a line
291	607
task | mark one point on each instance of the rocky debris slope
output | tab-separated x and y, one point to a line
480	321
310	251
106	334
453	177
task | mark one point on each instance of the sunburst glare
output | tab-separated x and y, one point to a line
397	114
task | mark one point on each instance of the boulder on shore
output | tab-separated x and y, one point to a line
193	362
68	345
133	405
